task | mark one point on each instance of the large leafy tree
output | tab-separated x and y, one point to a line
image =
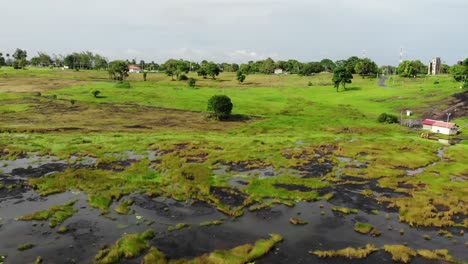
341	76
366	67
118	70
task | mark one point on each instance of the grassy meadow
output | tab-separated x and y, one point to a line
282	123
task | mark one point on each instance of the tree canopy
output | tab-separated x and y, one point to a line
341	75
118	70
366	67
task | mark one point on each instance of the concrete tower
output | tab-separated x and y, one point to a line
434	66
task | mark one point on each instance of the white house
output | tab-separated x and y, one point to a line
440	127
134	68
280	71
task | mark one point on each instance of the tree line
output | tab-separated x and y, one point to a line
178	68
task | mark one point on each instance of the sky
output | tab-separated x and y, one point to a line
239	30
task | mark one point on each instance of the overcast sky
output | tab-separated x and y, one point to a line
239	30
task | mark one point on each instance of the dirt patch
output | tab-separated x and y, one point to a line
458	107
228	196
39	171
314	169
118	165
14	84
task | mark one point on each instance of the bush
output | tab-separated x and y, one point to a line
192	82
96	93
124	85
436	82
221	105
465	85
309	84
387	118
183	77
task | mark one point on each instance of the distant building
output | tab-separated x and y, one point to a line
434	66
280	71
134	68
440	127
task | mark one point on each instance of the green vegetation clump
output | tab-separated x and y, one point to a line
387	118
363	228
123	85
438	254
209	223
297	221
349	252
238	255
124	206
400	253
56	214
344	210
192	82
25	247
178	226
129	246
221	106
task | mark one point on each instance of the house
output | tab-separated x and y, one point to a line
440	127
134	68
280	71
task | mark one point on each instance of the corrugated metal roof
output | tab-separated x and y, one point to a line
444	124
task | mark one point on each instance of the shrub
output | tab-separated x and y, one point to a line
144	76
124	85
183	77
436	82
221	105
387	118
192	82
309	84
96	93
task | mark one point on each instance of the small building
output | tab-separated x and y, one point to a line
440	127
408	112
280	71
134	68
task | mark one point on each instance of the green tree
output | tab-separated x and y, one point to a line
267	66
311	68
192	82
118	70
366	67
2	60
459	72
144	76
351	64
240	76
341	75
411	68
213	70
328	65
20	59
221	106
202	72
176	67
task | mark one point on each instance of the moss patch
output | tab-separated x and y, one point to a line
56	214
349	252
129	246
363	228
